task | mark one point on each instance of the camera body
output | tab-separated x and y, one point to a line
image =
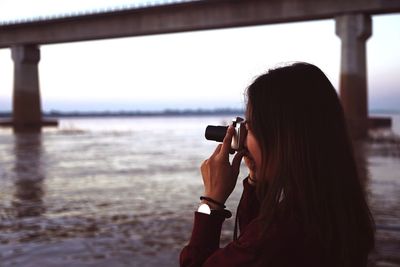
217	133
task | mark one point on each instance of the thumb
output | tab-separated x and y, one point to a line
236	162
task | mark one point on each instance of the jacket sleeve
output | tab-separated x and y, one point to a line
204	240
203	247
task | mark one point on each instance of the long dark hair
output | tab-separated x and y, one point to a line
307	159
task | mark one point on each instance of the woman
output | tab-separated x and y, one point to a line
302	203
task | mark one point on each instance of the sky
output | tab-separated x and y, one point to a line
204	69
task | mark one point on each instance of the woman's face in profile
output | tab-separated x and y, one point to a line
253	156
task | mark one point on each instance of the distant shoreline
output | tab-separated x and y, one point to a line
137	113
167	112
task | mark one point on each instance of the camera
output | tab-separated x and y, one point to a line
217	133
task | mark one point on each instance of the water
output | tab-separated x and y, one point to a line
122	191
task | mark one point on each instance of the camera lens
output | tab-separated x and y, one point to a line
216	133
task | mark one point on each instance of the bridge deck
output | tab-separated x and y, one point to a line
187	16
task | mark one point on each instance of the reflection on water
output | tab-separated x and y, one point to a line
387	244
360	155
29	176
383	160
91	194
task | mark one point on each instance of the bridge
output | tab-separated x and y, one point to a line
352	18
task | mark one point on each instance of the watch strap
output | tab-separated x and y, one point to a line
205	209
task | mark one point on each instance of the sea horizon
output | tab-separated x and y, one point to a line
163	112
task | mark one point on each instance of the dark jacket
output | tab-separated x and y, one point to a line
285	244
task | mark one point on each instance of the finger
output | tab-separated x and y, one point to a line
203	165
216	151
204	168
226	145
236	162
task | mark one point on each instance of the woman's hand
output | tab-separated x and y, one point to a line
219	176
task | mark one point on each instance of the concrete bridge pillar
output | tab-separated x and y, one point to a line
354	30
27	113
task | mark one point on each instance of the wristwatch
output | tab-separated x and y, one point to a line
204	208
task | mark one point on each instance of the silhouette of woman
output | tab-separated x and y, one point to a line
302	203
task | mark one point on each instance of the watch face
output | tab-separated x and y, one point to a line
204	208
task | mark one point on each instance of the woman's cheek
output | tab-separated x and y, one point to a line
254	150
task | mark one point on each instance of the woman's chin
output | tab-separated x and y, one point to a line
250	162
